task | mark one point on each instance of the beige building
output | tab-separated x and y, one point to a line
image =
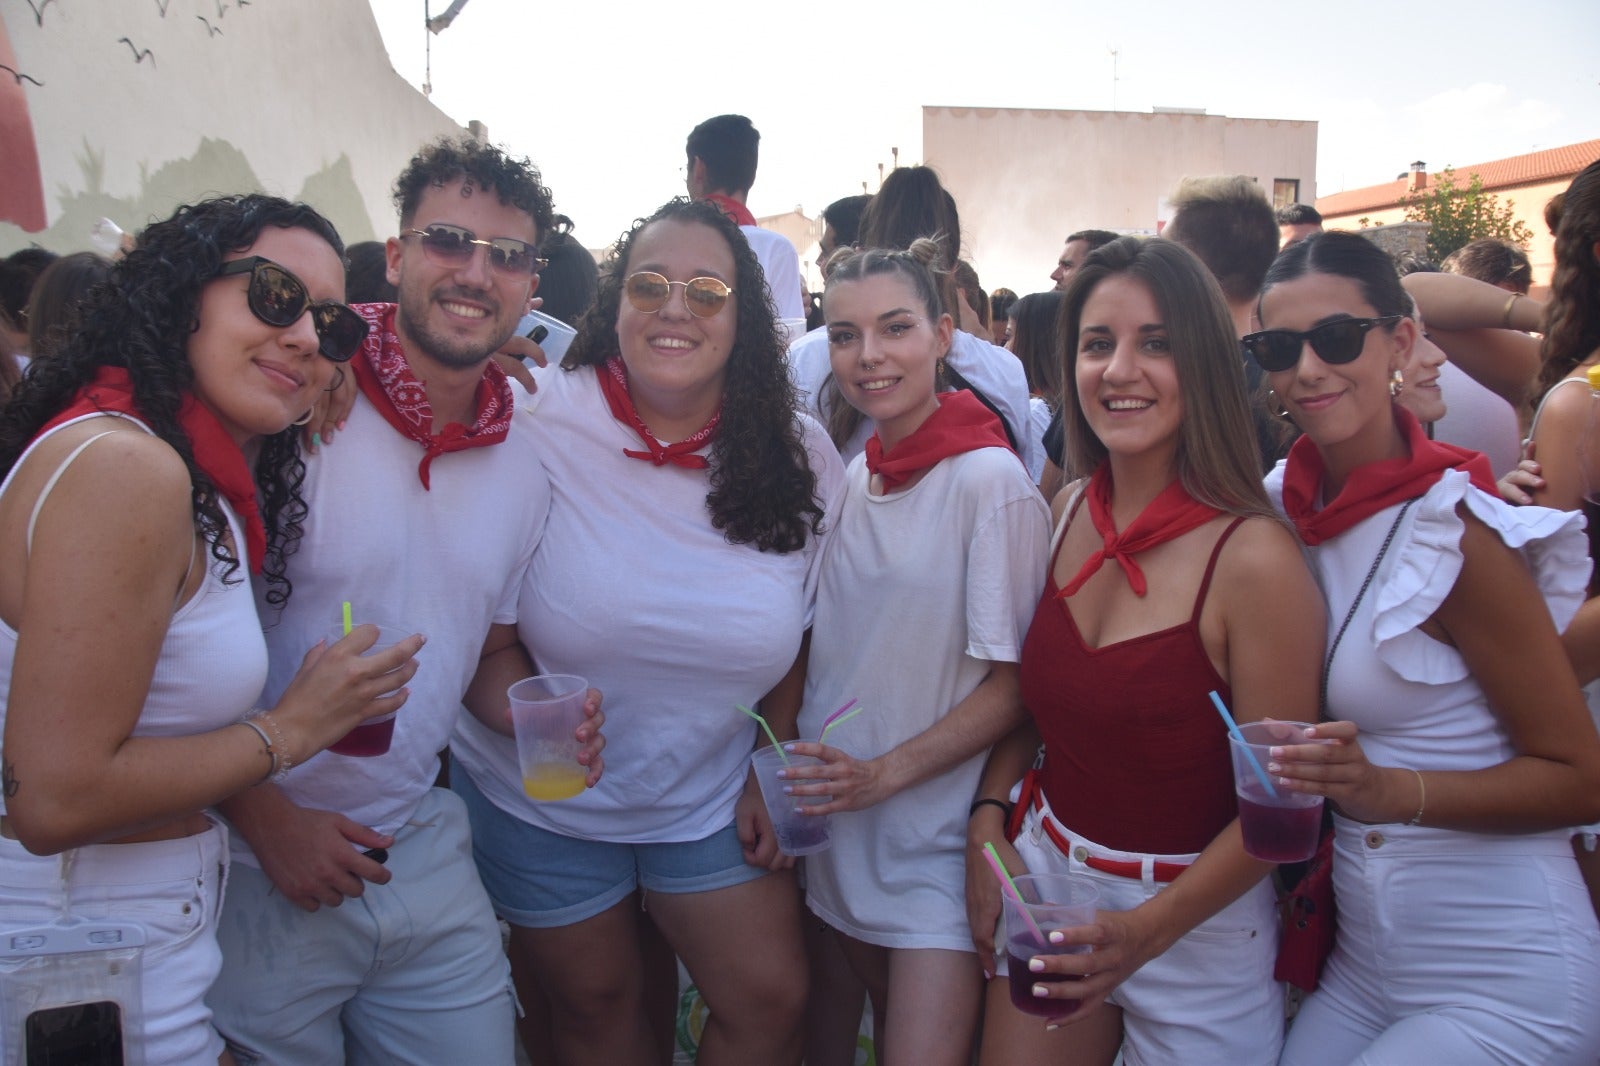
1024	179
126	110
1525	182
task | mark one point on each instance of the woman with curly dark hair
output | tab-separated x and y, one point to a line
130	651
676	573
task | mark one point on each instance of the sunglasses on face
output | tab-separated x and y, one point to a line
278	298
648	292
1335	343
452	246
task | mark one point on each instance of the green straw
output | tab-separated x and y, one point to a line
1011	887
767	729
347	618
841	720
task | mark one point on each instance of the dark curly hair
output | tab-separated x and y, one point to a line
141	320
763	490
515	181
1572	315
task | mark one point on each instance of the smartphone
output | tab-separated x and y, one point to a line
81	1034
558	335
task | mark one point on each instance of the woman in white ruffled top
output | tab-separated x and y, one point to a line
1463	749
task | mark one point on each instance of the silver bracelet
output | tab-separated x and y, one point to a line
277	746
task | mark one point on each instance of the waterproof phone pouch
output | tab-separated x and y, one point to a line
70	995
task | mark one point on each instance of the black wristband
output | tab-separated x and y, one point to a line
1005	807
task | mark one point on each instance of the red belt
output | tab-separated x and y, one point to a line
1160	872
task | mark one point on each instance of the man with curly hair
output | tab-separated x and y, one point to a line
355	923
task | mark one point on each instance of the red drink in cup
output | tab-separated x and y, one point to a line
1049	902
371	737
1280	827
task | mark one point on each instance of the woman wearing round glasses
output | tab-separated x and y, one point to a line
130	523
1462	748
676	574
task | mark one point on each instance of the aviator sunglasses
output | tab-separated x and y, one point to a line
1335	343
278	298
453	246
648	292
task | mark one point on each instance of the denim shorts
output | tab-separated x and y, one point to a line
543	880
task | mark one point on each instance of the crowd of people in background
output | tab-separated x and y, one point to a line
1039	538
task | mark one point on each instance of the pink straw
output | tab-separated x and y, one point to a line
826	722
1009	887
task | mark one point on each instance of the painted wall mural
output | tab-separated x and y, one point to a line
124	109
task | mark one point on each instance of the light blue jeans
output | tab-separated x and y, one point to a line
411	972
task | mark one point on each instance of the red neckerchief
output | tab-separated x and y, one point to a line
961	424
1373	487
613	378
1167	517
732	208
215	453
385	379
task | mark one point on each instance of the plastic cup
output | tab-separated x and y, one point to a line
1052	901
545	713
371	737
1281	828
798	834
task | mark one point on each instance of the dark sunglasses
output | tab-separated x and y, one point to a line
1335	343
278	298
648	292
452	246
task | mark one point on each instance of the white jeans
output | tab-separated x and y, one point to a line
174	889
411	972
1210	998
1458	948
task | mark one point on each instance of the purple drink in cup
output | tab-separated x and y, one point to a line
1276	828
798	834
1049	902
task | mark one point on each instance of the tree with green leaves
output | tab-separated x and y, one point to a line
1459	216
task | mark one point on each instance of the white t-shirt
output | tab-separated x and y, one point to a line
632	589
921	589
993	371
1478	418
444	562
781	264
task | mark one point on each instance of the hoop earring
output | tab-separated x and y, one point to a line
1273	401
305	419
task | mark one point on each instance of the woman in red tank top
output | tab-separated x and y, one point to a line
1170	578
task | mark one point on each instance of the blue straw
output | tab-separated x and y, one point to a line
1244	745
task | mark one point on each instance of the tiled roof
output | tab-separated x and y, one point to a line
1549	165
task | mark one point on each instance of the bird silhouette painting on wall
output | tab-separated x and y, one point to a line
139	54
215	31
21	77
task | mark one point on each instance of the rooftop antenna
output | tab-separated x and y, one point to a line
427	52
1113	50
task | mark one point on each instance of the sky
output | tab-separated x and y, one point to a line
600	94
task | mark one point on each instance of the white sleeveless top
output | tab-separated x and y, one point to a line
213	660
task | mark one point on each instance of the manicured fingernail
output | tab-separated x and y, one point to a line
316	441
1274	768
341	423
1276	753
1057	937
1052	1027
1284	782
788	747
1036	965
1041	992
987	976
788	790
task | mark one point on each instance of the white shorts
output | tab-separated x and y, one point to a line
411	972
1211	996
1454	947
174	889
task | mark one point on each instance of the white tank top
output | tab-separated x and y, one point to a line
213	660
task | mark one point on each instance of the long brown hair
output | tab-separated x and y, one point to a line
1572	316
1216	455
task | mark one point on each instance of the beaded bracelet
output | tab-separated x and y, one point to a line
1505	314
277	746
